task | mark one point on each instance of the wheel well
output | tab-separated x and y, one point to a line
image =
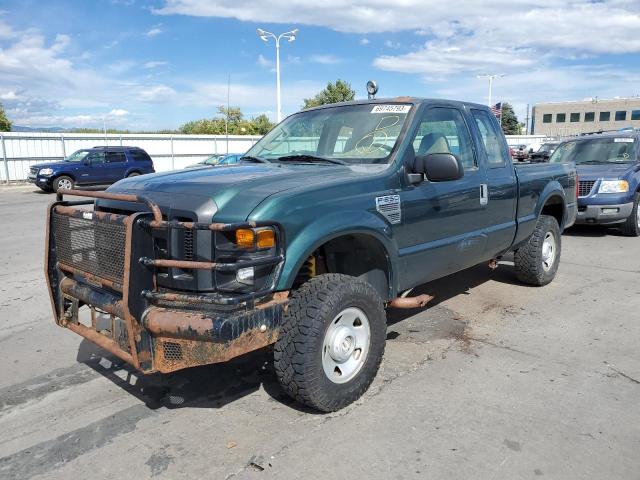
554	207
134	170
358	255
58	175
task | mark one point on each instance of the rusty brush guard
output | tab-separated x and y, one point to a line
109	262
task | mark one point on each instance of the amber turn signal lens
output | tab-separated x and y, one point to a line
266	239
245	238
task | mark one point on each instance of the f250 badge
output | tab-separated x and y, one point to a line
389	207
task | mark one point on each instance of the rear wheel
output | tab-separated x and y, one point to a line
133	174
331	342
537	260
631	227
63	182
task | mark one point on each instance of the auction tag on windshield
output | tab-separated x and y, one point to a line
623	140
391	109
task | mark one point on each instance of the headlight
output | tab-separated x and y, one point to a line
45	171
613	186
252	238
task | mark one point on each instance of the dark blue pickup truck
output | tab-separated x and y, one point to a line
609	171
91	166
335	214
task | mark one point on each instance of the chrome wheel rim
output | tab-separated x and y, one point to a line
65	184
548	251
346	345
638	215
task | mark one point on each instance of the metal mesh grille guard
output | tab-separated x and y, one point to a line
95	243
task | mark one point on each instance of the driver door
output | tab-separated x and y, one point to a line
442	230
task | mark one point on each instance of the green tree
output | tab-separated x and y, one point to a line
262	124
5	123
510	123
238	125
340	91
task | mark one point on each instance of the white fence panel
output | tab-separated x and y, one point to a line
20	150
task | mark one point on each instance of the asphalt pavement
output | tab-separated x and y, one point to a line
494	380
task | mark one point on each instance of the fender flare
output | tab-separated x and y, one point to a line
328	227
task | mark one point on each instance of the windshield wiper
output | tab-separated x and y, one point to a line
310	158
592	162
250	158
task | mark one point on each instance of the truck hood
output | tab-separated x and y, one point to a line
594	172
236	190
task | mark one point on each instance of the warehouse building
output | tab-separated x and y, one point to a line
593	115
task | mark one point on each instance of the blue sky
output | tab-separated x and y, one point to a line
156	64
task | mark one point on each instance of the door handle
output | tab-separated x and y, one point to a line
484	194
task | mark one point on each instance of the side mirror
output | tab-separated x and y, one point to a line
439	167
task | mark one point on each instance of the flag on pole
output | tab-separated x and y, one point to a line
497	109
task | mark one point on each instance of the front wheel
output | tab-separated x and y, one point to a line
631	227
331	342
63	182
537	260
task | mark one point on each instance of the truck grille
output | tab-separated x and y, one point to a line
585	187
33	170
90	245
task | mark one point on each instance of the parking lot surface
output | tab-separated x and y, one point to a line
493	380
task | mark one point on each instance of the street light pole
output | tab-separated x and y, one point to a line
491	78
265	36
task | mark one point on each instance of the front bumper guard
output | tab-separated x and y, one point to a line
157	330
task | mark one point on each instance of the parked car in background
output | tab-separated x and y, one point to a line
217	160
305	242
91	166
544	152
609	172
520	152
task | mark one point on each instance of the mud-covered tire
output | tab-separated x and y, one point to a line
298	354
631	227
63	181
532	263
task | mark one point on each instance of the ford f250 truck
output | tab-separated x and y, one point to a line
331	217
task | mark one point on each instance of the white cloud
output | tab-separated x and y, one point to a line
325	59
264	62
364	41
118	112
156	93
154	32
155	64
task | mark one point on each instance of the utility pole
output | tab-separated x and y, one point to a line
526	131
491	78
226	123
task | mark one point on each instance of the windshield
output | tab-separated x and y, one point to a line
547	147
351	134
212	160
596	151
77	156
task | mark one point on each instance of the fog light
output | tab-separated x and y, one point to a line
266	238
245	275
245	238
610	211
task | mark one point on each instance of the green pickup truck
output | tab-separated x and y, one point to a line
333	216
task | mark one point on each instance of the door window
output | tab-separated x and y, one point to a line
115	157
443	130
492	140
96	158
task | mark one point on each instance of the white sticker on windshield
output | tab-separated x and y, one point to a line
391	109
623	140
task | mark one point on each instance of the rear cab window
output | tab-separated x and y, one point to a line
492	139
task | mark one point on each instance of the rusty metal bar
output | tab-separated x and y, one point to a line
211	299
123	197
90	278
103	301
216	227
411	302
102	341
90	214
188	264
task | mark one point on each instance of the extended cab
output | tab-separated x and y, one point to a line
334	215
609	170
91	166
